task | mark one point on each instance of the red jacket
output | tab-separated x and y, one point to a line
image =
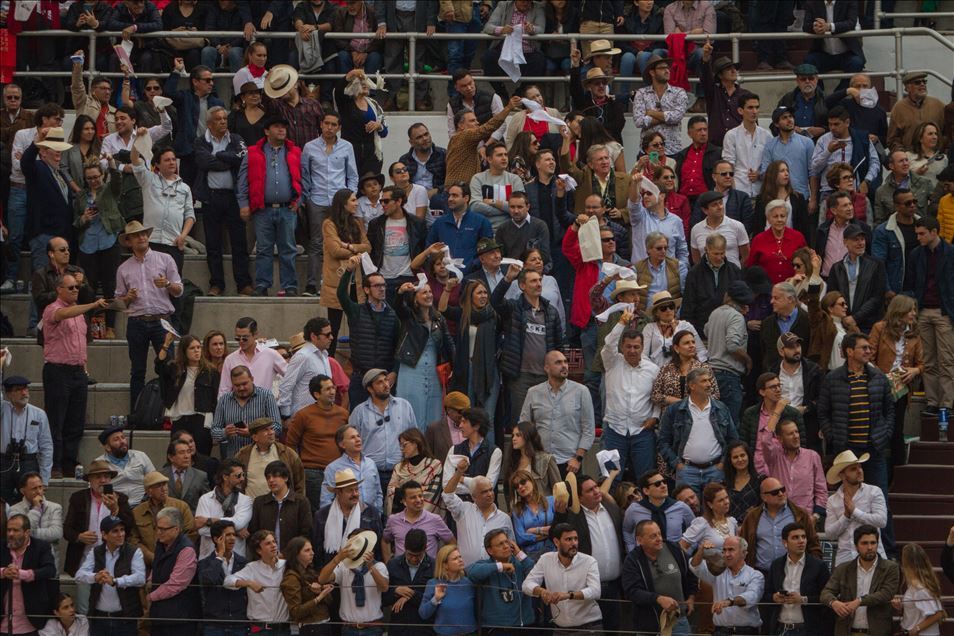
256	173
587	275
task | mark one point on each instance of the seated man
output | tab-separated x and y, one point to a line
833	53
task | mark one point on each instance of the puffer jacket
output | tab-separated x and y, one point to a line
374	334
513	312
676	423
834	403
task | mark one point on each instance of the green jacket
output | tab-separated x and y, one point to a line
107	200
922	189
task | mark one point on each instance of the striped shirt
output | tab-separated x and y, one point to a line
859	412
229	411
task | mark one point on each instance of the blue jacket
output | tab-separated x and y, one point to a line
50	213
187	109
217	602
943	274
887	245
205	161
462	241
455	614
676	422
494	611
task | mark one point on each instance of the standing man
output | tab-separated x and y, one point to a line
870	582
28	579
765	415
218	602
829	239
414	517
25	439
445	433
461	229
218	156
225	503
465	97
489	271
807	103
146	283
264	363
13	118
832	53
173	569
146	532
743	146
477	518
504	571
408	574
672	517
381	443
464	148
900	176
860	278
738	205
932	265
568	580
490	190
762	526
908	113
64	372
693	433
235	411
563	412
354	467
327	165
670	586
48	191
130	464
798	469
269	192
799	382
852	505
894	240
303	115
696	162
311	360
97	105
264	451
345	511
426	163
843	143
739	588
192	107
659	107
795	149
396	237
707	283
523	231
787	317
727	340
794	583
720	83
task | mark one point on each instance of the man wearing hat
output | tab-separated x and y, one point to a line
490	190
489	272
444	434
130	465
345	511
86	509
147	283
590	94
189	107
719	81
218	156
659	107
901	177
831	53
362	579
807	102
860	278
46	190
716	221
264	450
146	533
727	338
116	573
853	504
302	114
25	441
269	192
381	443
796	150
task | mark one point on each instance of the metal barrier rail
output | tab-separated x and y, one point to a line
412	76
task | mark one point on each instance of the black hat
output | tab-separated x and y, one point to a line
110	522
853	231
723	63
368	176
757	279
14	381
708	197
740	292
778	112
274	119
107	433
947	174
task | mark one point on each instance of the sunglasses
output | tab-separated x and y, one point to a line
608	239
519	482
386	418
327	334
399	170
776	492
667	308
654	484
71	287
920	82
726	174
383	200
205	79
62	250
243	338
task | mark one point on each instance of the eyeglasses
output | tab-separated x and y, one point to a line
657	144
13	98
61	250
776	492
386	418
607	239
383	200
399	170
654	484
846	177
153	88
377	285
668	177
667	308
519	482
164	528
71	287
920	82
730	173
243	338
327	334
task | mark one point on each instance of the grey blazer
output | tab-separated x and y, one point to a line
195	483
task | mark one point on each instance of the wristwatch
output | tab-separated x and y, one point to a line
580	458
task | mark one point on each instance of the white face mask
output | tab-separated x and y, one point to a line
868	98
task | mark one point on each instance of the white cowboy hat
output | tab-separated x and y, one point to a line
281	79
360	545
844	460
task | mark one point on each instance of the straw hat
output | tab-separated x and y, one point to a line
296	342
55	140
566	491
133	227
624	286
344	479
844	460
595	74
601	47
281	79
360	545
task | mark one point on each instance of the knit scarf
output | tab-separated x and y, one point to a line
256	71
357	584
226	501
658	513
485	353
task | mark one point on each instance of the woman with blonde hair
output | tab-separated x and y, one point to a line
920	605
829	320
896	350
450	597
419	465
532	514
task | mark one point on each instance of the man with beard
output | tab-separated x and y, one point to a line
869	581
801	381
226	503
568	575
796	151
131	466
344	513
28	584
853	505
672	516
46	517
25	439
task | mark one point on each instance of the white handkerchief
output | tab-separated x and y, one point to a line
512	261
590	244
647	185
161	101
611	269
511	54
143	143
569	181
868	98
24	9
542	115
604	456
271	343
531	105
122	52
453	265
603	317
367	265
168	327
421	282
8	358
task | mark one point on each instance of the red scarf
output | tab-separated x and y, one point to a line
256	71
101	129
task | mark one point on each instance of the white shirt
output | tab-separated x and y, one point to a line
113	143
792	613
269	606
628	388
731	230
582	576
208	506
702	445
466	483
604	542
165	204
368	211
416	198
744	150
792	388
916	605
108	597
54	627
655	345
129	479
864	578
748	583
293	393
832	45
870	509
350	612
472	526
21	141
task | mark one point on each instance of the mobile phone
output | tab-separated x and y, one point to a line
654	156
437	212
241	425
107	489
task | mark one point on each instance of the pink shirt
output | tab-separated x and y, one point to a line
21	625
265	364
803	476
64	342
141	275
182	573
835	249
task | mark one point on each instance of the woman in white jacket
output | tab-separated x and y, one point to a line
67	621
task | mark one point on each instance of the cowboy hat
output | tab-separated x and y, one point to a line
55	140
601	47
653	62
624	286
371	176
566	491
133	227
360	545
344	479
98	467
154	479
842	461
723	63
661	298
296	342
595	74
281	79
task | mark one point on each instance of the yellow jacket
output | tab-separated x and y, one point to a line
945	216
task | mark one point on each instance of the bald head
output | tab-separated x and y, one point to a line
556	367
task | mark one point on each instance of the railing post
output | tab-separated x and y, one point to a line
877	14
898	64
411	65
735	48
92	58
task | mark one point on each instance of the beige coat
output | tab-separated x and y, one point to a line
86	104
336	256
144	534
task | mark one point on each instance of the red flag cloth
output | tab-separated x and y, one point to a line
45	16
8	55
679	50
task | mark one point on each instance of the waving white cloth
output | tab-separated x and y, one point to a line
612	269
604	456
569	181
542	115
603	317
512	261
334	538
590	248
453	265
421	282
367	265
511	54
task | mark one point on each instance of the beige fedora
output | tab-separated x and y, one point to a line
601	47
360	545
624	286
842	461
154	479
281	79
296	342
55	140
344	479
133	227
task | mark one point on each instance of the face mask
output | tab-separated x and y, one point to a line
868	98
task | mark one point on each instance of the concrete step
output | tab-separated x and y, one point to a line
918	504
16	307
931	453
108	360
924	479
103	400
916	527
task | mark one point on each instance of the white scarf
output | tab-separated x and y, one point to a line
334	538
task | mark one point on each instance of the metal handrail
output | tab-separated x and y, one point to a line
413	75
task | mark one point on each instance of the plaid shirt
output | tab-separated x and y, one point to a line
304	119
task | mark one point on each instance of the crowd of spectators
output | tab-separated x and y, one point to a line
742	319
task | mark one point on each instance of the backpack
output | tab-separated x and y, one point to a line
148	414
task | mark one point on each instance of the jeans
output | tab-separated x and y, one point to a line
140	334
372	63
636	452
103	626
211	57
220	214
730	393
847	62
461	52
697	478
64	400
631	64
276	226
876	474
314	478
771	17
16	223
316	216
518	392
